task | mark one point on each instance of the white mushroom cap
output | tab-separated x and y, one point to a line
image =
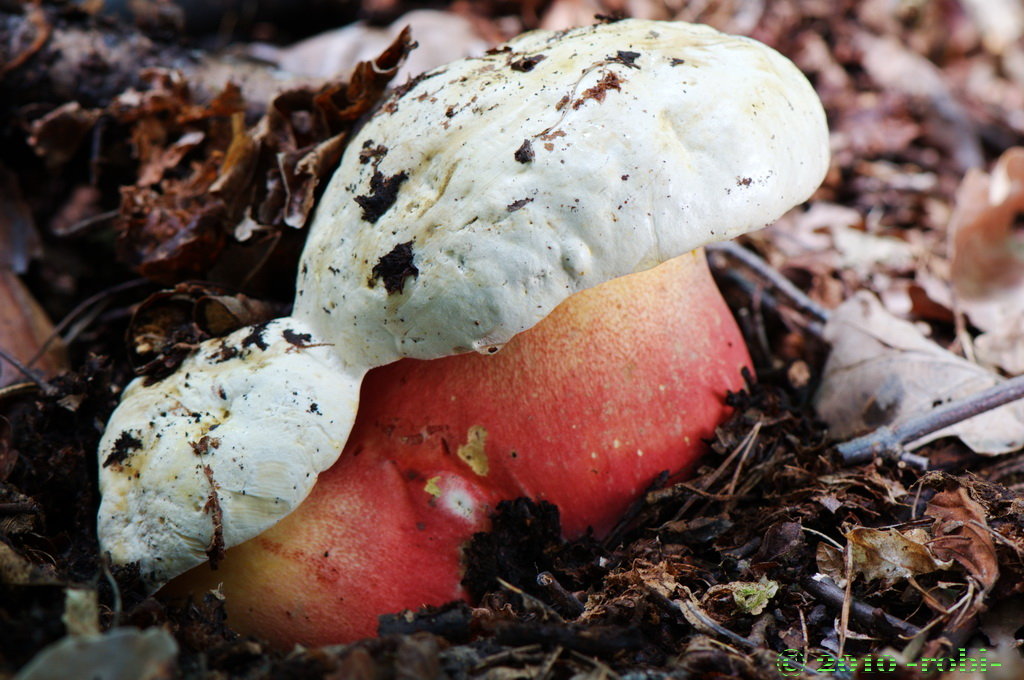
509	182
474	201
222	449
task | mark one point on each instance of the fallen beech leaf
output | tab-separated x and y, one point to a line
203	178
831	562
302	171
899	69
987	250
888	555
961	534
881	371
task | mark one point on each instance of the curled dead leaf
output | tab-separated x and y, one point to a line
169	323
961	534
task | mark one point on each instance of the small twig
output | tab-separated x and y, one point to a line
706	481
692	614
80	308
115	591
844	610
698	619
730	489
19	508
530	602
568	603
46	387
17	389
861	612
781	285
889	441
89	222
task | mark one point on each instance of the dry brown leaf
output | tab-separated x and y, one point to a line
961	533
885	555
831	562
888	555
987	251
56	136
882	370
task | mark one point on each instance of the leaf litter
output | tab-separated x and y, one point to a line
773	545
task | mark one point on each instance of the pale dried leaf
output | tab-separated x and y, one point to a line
882	371
888	555
834	235
120	654
831	562
1000	22
1003	348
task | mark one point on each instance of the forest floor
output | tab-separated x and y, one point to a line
784	556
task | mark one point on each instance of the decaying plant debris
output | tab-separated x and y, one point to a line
776	545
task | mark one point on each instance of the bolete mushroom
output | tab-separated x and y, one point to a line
476	200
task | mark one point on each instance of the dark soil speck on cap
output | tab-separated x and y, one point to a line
524	154
394	267
297	339
383	192
256	337
516	205
527	63
372	153
125	445
625	58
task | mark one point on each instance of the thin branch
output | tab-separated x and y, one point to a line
782	286
46	387
569	604
891	441
692	614
81	308
861	612
696	618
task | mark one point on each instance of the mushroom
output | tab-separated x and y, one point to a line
477	199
